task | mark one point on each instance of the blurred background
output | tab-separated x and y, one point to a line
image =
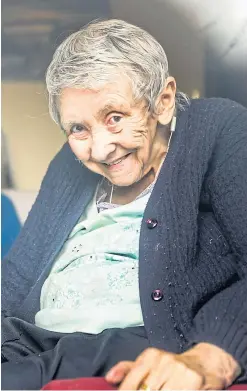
205	41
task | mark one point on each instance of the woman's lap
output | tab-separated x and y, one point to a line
34	356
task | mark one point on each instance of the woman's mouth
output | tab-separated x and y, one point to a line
116	164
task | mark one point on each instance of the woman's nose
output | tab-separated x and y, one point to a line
102	145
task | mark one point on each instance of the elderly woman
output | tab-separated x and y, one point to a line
133	261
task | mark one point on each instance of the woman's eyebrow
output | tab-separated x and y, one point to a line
110	108
101	113
67	125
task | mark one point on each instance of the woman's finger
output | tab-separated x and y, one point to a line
141	369
136	376
119	371
190	380
160	372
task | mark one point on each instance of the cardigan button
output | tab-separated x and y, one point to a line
151	223
157	295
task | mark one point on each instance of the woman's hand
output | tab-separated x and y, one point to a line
203	367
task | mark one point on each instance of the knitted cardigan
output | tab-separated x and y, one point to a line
195	257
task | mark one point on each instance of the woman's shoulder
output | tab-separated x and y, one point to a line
214	117
223	127
211	129
65	162
222	109
215	103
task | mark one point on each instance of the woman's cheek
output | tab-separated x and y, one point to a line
80	148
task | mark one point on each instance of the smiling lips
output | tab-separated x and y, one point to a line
116	162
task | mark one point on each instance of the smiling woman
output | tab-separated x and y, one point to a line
139	252
121	106
124	131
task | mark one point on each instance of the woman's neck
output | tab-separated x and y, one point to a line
125	194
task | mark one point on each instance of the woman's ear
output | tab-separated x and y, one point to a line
166	102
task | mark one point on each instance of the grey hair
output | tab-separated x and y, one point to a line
92	56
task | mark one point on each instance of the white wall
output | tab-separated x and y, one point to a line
176	33
222	24
32	138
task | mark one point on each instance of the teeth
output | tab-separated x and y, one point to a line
112	164
117	161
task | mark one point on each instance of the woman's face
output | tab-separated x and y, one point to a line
110	133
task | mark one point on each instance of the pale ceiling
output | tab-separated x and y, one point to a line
31	29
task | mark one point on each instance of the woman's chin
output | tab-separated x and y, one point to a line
125	180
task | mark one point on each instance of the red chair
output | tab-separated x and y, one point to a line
86	383
98	383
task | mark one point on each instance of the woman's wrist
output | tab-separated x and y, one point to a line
220	361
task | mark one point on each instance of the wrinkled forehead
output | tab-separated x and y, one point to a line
114	96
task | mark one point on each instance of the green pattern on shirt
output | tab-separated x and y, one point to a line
93	284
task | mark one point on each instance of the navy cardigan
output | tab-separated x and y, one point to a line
192	264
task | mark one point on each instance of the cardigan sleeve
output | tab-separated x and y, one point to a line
65	191
21	266
223	319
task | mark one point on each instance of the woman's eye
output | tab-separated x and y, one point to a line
77	129
114	120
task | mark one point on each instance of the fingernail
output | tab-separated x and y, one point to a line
114	376
111	373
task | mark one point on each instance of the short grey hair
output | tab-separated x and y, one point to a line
92	56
